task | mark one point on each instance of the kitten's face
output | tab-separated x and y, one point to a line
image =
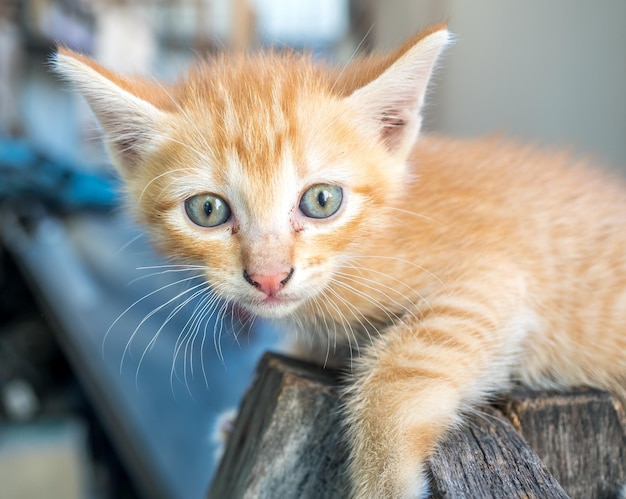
268	171
271	196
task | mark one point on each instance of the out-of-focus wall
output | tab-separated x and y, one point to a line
548	71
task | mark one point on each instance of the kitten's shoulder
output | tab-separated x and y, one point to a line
495	165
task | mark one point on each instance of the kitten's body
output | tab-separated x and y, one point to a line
448	269
490	208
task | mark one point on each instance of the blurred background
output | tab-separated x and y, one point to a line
109	385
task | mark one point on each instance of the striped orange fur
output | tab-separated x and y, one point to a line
450	268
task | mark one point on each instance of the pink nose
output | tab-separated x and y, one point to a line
269	284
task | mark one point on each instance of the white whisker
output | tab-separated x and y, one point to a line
352	308
128	244
411	304
217	338
340	282
417	215
190	330
407	262
168	172
363	281
162	272
136	302
173	266
344	320
327	329
150	314
171	315
352	56
203	316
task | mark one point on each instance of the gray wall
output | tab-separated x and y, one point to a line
551	71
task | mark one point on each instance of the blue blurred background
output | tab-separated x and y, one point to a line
104	392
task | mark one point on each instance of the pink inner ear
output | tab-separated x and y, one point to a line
394	98
392	120
393	123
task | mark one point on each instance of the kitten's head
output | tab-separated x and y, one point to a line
268	170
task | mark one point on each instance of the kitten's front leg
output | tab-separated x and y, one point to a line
414	383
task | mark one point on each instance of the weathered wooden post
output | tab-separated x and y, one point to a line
288	443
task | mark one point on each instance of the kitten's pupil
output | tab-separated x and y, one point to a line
322	197
208	208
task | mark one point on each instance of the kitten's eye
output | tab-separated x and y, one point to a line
207	210
321	200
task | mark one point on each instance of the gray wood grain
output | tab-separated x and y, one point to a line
288	443
489	459
580	436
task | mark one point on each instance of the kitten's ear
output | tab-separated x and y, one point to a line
392	102
127	109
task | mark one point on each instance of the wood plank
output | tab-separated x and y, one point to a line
287	442
489	459
286	439
580	436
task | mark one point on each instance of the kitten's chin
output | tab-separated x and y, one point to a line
272	308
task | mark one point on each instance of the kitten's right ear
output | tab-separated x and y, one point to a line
126	108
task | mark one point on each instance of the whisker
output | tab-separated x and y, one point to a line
171	315
312	326
162	272
171	266
352	56
149	315
365	296
242	324
235	319
136	302
415	214
407	262
327	329
128	244
317	303
352	309
202	317
168	172
346	324
221	315
408	310
363	280
202	310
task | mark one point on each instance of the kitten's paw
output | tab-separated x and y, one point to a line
416	487
222	430
399	476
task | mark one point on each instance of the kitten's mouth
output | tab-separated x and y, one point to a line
272	307
275	301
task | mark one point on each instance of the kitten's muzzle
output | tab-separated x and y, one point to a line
269	284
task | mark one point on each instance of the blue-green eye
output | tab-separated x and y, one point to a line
321	200
207	210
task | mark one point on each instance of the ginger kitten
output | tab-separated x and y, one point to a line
447	268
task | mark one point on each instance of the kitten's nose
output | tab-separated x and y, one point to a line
269	284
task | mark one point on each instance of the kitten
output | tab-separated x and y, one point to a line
449	268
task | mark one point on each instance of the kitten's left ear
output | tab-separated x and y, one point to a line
128	109
393	101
